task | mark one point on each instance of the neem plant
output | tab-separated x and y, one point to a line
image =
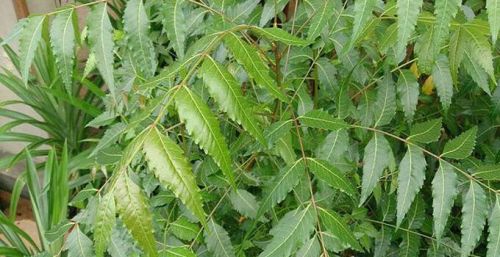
288	128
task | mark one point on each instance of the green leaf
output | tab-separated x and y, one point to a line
322	120
134	211
474	212
456	51
177	252
138	42
445	11
280	35
476	72
78	244
334	223
460	147
100	34
247	56
111	135
441	76
271	8
362	13
320	19
244	202
410	180
334	146
493	7
377	157
166	160
104	223
184	229
444	191
310	248
204	128
385	106
426	132
218	241
410	246
331	175
408	91
494	231
488	172
62	39
408	11
224	88
479	46
290	233
283	183
424	49
174	22
31	35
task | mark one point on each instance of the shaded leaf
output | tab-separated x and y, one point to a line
218	241
322	120
335	224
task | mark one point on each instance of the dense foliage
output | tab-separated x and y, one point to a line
271	129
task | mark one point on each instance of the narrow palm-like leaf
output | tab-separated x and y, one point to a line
62	38
204	128
100	34
140	46
31	35
290	233
407	11
174	23
474	212
377	157
461	147
134	212
224	88
169	165
441	76
444	191
247	56
410	180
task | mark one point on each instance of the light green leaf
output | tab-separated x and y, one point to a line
424	49
377	157
310	248
474	213
178	252
362	13
331	175
78	244
408	91
320	19
456	51
174	23
444	191
494	231
441	76
334	146
218	241
476	72
462	146
493	7
138	42
204	128
283	183
244	202
248	56
334	223
166	159
224	88
31	35
426	132
408	11
280	35
101	43
478	45
133	208
445	11
410	180
290	233
62	39
184	229
103	224
488	172
385	106
322	120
